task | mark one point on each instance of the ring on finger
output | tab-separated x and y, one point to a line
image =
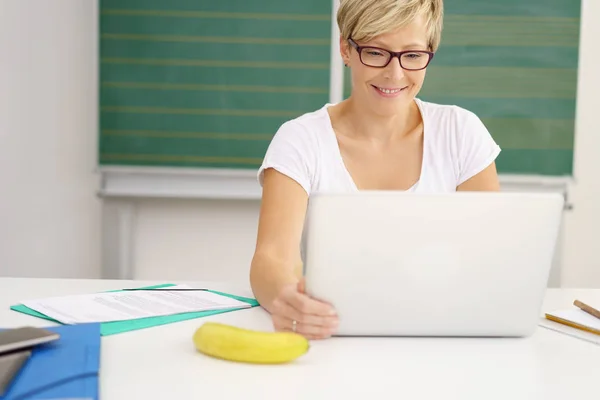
294	324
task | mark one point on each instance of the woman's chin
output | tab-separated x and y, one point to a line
389	107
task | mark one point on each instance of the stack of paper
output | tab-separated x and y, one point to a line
125	305
123	311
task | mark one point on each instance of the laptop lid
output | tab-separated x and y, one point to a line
456	264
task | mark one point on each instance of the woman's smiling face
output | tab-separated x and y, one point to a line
385	90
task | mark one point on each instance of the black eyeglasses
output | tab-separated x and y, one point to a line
410	60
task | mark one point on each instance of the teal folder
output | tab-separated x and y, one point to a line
111	328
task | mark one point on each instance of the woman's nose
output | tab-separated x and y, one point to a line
394	70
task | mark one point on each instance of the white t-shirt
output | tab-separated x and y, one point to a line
456	146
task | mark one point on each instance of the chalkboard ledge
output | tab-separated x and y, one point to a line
181	183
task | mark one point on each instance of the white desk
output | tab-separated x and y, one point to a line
161	362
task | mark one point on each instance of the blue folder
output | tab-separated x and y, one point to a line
65	368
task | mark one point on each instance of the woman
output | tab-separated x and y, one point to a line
382	137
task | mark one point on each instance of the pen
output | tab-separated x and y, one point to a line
162	290
588	309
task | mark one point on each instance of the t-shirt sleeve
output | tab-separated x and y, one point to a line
476	147
292	153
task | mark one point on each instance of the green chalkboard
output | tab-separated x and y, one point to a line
204	83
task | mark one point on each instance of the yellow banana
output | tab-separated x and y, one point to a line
237	344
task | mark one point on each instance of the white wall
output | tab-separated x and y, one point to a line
195	239
49	214
581	258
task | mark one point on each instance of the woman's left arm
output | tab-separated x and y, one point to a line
486	180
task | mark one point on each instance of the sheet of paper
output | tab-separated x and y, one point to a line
567	330
127	305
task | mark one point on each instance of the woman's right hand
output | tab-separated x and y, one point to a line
294	311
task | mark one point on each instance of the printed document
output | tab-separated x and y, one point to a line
126	305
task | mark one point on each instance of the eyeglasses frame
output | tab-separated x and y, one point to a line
393	55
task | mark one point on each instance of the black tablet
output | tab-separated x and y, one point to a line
24	337
10	365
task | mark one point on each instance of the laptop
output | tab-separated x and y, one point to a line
468	264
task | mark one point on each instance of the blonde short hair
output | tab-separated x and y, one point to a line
362	20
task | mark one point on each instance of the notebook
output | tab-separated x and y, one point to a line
574	322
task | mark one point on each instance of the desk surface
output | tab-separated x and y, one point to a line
161	362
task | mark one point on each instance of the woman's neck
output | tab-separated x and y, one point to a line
360	123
